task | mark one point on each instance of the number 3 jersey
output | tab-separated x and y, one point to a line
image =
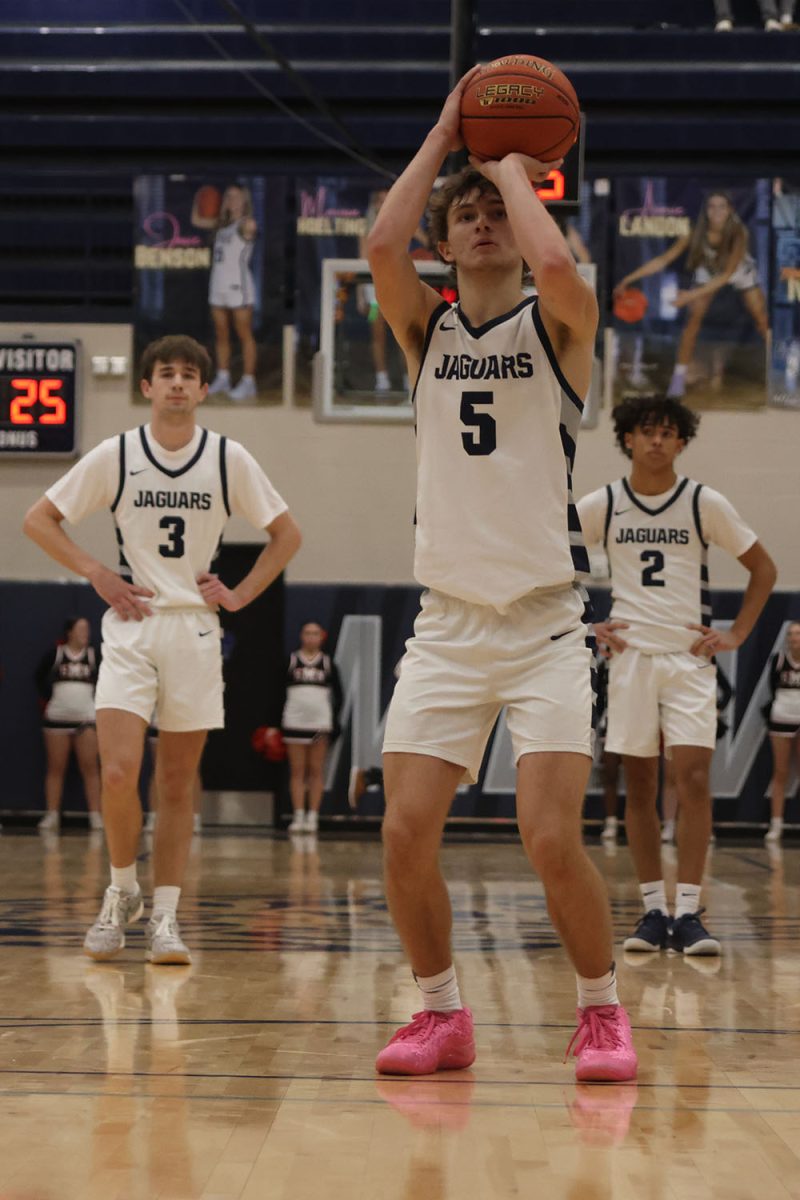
657	553
496	428
169	507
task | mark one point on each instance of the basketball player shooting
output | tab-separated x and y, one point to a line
500	381
171	487
656	527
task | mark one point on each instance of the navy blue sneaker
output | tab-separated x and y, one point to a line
689	935
650	934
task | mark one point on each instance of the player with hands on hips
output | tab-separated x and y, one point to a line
170	486
498	381
656	527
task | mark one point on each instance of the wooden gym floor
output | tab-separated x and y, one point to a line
249	1075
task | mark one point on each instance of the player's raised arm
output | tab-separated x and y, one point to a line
563	295
405	301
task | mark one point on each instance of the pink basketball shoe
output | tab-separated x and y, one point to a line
603	1044
434	1041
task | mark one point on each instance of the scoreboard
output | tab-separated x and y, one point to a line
38	399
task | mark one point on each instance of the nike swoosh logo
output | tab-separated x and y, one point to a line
555	636
619	511
205	633
139	472
447	328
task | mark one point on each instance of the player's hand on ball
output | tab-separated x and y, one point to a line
450	116
608	640
713	641
216	594
128	600
536	171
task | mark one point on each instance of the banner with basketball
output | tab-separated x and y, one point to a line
690	285
209	262
334	216
784	374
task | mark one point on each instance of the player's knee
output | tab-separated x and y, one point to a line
406	846
119	774
551	853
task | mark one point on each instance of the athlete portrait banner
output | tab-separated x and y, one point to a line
333	217
690	286
209	261
784	374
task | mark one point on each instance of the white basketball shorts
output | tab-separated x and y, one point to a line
170	662
466	661
654	694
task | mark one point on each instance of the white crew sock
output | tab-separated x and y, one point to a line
124	878
776	823
687	898
165	900
654	895
223	375
592	992
679	371
440	992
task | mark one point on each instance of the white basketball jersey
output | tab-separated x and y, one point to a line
230	270
496	429
659	571
169	522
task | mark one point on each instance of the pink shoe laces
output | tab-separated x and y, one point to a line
422	1026
600	1028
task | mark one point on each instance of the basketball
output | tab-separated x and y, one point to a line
520	104
630	305
208	201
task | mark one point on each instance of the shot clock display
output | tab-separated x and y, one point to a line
38	399
562	188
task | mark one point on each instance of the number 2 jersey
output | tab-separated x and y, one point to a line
657	553
169	507
496	428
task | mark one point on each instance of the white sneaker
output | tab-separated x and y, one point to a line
164	943
677	387
220	384
311	823
244	390
724	26
149	822
95	820
773	26
298	821
107	936
51	821
786	21
774	833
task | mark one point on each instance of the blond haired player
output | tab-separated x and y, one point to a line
499	387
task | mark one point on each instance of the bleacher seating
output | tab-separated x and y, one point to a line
93	101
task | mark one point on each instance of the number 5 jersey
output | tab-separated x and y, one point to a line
496	428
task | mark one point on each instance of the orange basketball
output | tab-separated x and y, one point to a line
520	104
208	201
630	305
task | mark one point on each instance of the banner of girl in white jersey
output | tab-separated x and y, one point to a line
690	284
209	261
784	375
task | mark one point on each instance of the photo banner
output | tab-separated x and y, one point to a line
209	262
690	286
334	216
784	375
